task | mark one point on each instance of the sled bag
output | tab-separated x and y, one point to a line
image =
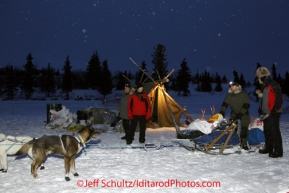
210	137
256	136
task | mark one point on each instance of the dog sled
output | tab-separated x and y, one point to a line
221	136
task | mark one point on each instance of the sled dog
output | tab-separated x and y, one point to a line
9	145
67	146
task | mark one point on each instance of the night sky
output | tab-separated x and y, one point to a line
216	35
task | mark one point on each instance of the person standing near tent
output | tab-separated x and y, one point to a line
271	99
239	102
122	108
139	111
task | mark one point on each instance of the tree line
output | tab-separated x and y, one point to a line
99	77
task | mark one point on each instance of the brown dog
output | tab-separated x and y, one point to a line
65	145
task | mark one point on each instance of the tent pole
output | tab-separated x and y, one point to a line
128	79
171	113
147	77
167	76
185	112
143	70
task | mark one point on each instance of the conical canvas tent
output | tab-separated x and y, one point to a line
165	111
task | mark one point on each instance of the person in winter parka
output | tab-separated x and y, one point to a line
271	99
139	111
239	103
122	108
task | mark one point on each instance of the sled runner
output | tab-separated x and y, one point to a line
224	139
219	140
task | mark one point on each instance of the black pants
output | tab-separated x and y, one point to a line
125	124
273	139
133	124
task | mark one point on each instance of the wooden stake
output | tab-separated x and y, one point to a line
147	78
143	71
141	77
158	75
169	73
182	109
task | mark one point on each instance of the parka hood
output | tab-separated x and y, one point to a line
238	90
262	71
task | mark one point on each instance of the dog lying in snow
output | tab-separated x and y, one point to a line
9	145
67	146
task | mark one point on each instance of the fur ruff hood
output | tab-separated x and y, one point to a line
262	71
239	89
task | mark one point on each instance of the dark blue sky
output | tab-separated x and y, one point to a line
217	35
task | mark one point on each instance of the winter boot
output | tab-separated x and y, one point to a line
275	154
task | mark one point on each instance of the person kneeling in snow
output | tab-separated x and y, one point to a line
239	102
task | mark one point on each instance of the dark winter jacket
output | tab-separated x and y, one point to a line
139	104
239	102
122	108
272	97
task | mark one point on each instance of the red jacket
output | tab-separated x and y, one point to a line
272	96
139	106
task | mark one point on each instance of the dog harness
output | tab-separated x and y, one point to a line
80	141
12	140
62	143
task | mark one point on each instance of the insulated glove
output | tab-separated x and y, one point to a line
263	117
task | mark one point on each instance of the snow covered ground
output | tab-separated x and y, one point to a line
136	170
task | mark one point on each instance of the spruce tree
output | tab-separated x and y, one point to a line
159	62
173	82
119	81
274	72
196	78
140	76
242	81
58	79
106	80
206	85
284	87
49	87
79	79
10	87
28	77
129	75
236	76
93	72
279	79
67	78
183	79
256	83
224	79
218	81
